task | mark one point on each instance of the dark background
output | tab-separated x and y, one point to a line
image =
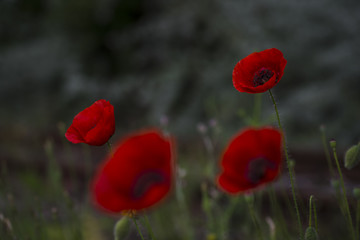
168	59
174	58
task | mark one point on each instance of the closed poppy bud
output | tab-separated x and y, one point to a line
352	157
122	228
252	159
137	175
333	143
94	125
259	71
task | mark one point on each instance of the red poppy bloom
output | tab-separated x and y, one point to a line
252	159
138	174
94	125
259	71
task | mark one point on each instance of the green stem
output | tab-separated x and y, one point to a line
291	173
184	208
148	227
347	209
207	208
137	228
250	201
326	150
280	223
315	216
310	209
224	224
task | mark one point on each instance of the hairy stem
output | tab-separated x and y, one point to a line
347	209
291	173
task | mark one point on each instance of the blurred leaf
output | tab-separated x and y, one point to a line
352	157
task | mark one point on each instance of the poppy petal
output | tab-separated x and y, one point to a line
94	125
252	159
246	69
137	175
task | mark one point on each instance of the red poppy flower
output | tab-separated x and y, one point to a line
138	174
94	125
252	159
259	71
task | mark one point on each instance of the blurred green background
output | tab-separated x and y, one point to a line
174	59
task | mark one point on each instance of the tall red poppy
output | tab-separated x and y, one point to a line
94	125
137	176
259	71
252	159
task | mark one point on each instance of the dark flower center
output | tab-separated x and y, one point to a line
257	169
146	181
262	76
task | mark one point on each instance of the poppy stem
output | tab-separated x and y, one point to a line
315	217
326	150
148	227
291	173
310	209
345	201
250	202
137	228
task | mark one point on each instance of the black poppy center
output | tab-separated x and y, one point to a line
257	169
146	181
262	76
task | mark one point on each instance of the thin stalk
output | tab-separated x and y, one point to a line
207	208
148	227
347	209
228	213
184	208
250	202
279	218
291	173
315	217
312	209
326	150
137	228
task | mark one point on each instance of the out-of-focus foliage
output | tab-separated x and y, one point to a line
175	58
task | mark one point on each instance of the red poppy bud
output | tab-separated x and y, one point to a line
94	125
138	174
252	159
259	71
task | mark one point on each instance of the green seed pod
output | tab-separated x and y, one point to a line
121	229
333	143
352	157
311	234
356	192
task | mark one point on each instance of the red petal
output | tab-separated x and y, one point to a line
137	176
104	128
243	73
73	135
94	125
245	147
